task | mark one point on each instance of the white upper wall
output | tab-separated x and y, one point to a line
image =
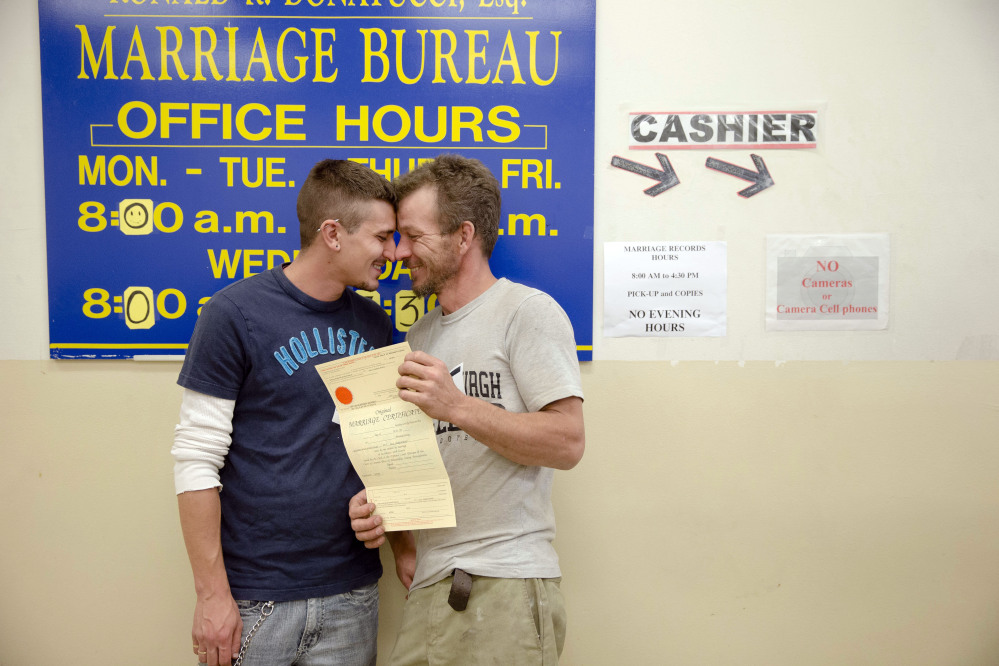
906	89
24	334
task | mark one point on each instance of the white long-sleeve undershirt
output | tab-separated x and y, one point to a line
201	441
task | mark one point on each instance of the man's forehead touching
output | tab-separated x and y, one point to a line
383	226
417	223
421	213
422	198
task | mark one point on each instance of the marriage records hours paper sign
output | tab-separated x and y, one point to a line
665	289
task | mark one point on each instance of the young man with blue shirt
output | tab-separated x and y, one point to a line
262	477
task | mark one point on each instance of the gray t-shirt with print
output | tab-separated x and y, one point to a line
512	346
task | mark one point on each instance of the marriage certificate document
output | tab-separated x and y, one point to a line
391	443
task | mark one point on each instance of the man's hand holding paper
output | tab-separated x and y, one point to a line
390	442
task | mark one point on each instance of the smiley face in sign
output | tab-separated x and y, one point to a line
135	217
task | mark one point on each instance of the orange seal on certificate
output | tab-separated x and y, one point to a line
344	395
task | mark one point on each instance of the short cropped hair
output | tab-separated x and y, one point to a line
338	190
466	190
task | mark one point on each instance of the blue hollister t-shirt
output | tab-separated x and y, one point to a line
287	480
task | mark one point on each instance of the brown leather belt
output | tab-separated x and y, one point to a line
461	587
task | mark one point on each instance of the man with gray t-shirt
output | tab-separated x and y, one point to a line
495	367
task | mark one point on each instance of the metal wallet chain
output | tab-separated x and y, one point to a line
267	609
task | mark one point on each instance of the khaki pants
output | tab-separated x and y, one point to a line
508	621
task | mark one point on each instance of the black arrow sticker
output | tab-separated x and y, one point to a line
667	177
760	178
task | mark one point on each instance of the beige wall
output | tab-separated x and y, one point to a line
811	513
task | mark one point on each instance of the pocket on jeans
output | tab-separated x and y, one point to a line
362	596
248	606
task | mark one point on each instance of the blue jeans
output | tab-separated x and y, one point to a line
326	631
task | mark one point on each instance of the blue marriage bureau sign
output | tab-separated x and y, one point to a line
177	134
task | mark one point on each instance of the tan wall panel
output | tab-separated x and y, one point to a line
819	513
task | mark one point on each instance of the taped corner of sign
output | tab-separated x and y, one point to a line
978	348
